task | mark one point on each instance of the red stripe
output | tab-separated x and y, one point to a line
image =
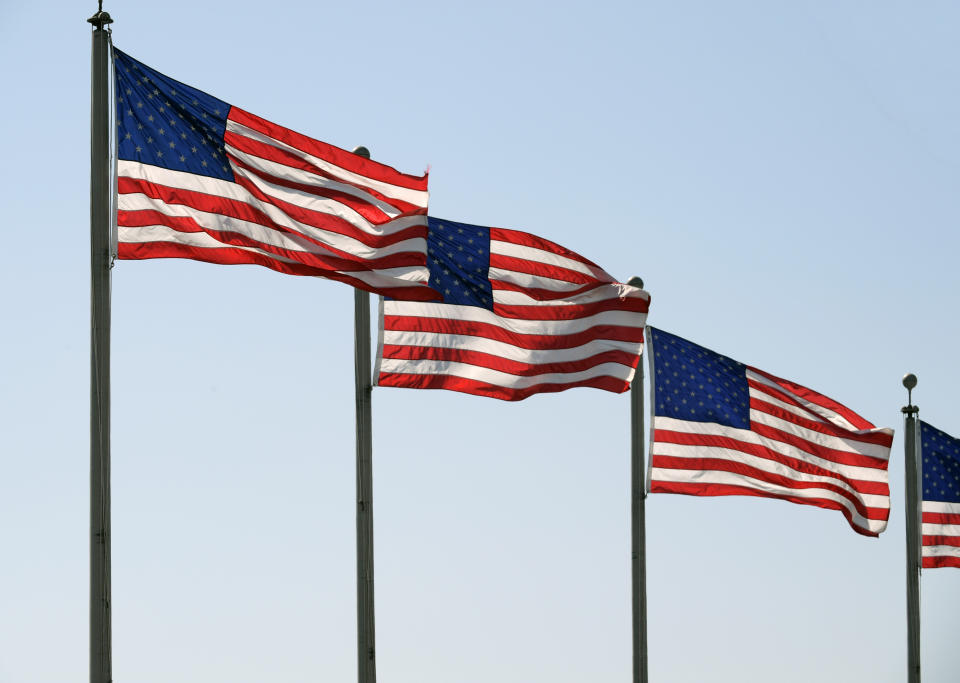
814	422
941	540
934	562
538	269
571	311
723	465
234	256
527	240
469	386
284	157
223	255
525	341
941	517
803	466
512	367
341	157
314	258
728	490
820	400
819	450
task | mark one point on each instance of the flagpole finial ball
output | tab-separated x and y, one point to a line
909	381
361	151
635	282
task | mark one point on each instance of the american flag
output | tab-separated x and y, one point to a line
940	507
520	315
723	428
201	179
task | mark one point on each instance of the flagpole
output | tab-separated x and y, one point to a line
913	532
100	227
366	651
638	521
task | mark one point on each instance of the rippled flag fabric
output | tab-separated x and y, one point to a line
940	506
722	428
519	315
201	179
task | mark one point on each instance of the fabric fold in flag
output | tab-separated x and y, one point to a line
201	179
940	506
721	428
519	315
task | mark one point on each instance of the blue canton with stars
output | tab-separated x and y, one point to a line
458	255
693	383
163	122
940	465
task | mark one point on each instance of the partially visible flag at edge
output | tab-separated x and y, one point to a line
201	179
724	428
520	315
940	501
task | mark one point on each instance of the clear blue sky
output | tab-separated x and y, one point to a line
784	176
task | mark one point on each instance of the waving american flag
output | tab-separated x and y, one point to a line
201	179
940	506
722	428
520	315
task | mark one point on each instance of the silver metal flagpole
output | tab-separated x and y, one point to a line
100	229
638	521
366	651
913	532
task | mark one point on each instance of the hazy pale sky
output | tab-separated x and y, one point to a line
784	177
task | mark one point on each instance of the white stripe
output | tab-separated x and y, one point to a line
214	221
770	466
498	378
941	551
505	350
610	292
824	413
534	327
551	258
825	440
851	472
181	179
729	478
528	281
941	529
941	508
392	277
415	197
